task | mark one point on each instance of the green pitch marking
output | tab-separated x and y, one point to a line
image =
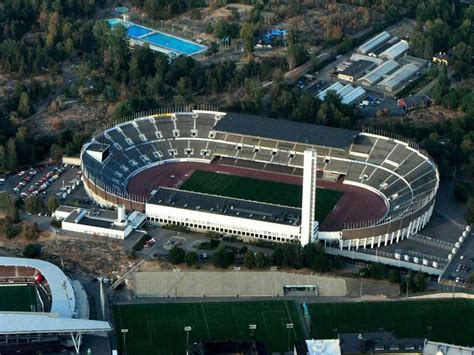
449	321
209	321
259	190
21	298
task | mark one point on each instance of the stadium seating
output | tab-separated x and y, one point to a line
402	174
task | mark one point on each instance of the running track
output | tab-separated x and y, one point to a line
356	204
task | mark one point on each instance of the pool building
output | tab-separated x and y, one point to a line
158	41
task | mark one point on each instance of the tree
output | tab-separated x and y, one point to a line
247	35
296	55
249	259
461	193
177	255
261	260
24	105
52	204
469	215
315	258
191	258
33	204
30	231
12	162
222	258
32	251
394	276
8	229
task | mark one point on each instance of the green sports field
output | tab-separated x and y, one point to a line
18	298
450	321
159	328
259	190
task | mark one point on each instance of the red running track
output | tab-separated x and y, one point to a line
356	204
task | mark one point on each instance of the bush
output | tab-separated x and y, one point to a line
177	255
191	258
223	258
32	251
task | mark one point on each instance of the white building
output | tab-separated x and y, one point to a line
112	224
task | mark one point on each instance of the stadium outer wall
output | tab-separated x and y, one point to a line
363	235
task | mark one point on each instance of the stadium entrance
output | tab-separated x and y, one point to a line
300	290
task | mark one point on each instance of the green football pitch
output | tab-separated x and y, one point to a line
159	328
450	321
18	298
259	190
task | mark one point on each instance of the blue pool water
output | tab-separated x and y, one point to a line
135	31
175	44
170	43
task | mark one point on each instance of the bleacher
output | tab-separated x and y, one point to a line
147	140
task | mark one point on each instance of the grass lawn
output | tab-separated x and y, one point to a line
450	321
259	190
17	298
159	328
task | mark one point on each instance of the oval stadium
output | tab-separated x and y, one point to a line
258	178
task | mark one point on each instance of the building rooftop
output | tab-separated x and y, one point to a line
432	347
356	67
381	343
318	347
95	218
196	201
38	323
284	130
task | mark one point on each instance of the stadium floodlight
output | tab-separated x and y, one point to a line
252	327
124	331
289	326
187	329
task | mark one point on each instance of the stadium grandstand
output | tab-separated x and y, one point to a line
147	162
41	309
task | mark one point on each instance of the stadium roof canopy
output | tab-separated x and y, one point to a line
227	206
40	323
62	293
284	130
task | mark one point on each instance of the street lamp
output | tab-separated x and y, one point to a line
252	327
124	331
289	326
187	329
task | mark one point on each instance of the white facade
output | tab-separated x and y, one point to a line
224	224
309	197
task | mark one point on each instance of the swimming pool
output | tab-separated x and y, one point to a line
174	44
135	31
159	40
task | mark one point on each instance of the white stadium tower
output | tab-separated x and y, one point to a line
308	224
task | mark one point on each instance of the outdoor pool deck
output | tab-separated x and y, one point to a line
157	40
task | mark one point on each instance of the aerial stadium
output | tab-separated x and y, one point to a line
258	178
41	308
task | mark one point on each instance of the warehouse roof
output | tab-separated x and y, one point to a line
399	77
367	46
231	207
356	67
379	72
284	130
395	51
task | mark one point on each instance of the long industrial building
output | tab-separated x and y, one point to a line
377	74
398	78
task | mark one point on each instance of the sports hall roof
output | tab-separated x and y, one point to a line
39	323
62	293
284	130
196	201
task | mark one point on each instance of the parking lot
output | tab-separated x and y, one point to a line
58	180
